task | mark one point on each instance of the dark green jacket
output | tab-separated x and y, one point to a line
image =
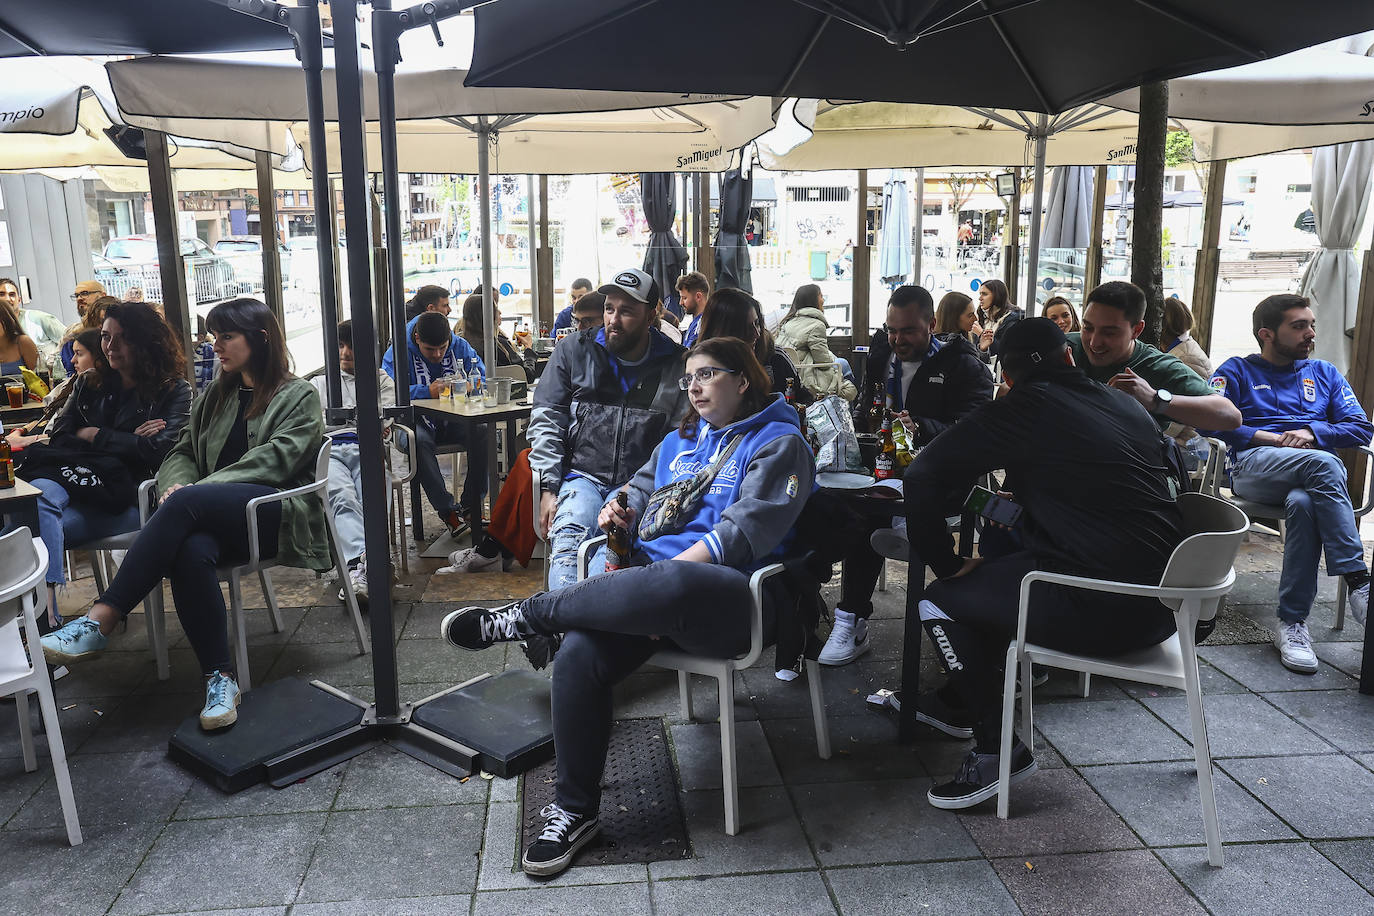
283	442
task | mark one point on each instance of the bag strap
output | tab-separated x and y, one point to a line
709	473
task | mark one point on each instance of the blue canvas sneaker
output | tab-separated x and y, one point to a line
221	702
75	641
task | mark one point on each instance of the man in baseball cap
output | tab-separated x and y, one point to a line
636	284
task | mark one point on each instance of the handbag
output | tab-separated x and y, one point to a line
90	478
671	505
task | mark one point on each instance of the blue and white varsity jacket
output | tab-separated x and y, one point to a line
1309	393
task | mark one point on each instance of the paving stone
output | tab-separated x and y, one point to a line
386	778
1266	879
259	861
885	636
565	901
857	823
843	689
1063	686
697	749
307	795
862	747
1354	857
1212	680
770	837
1115	731
935	887
1051	812
77	723
1075	884
110	789
1258	668
395	852
333	663
424	618
16	786
1160	802
1343	717
186	677
500	870
404	906
1240	725
800	893
44	874
143	723
330	622
653	692
1347	656
1320	797
426	661
109	674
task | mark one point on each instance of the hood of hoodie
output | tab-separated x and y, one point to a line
709	440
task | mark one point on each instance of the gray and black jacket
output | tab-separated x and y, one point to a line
598	419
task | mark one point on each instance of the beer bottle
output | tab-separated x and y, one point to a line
878	407
885	465
790	397
618	547
6	465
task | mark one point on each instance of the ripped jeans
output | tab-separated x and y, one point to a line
579	503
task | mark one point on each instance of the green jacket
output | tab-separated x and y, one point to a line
283	443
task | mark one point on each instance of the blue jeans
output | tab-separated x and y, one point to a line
345	498
63	524
432	479
579	503
1310	484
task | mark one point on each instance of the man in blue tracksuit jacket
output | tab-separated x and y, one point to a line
1296	412
433	351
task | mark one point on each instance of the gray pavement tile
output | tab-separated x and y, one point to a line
1212	680
386	778
404	906
330	623
333	663
1051	812
1160	802
942	755
187	678
799	893
1343	717
770	837
1115	731
16	786
1346	656
505	790
844	689
43	874
1366	759
1320	797
257	861
1265	879
1258	668
107	675
110	789
859	823
1240	725
134	637
1354	857
653	692
1052	885
885	636
428	661
500	870
313	794
1063	686
565	901
935	887
142	723
862	747
395	852
424	618
697	749
77	723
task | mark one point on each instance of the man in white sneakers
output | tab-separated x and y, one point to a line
1296	412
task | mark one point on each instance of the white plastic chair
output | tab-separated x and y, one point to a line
1198	574
541	539
398	490
23	567
723	670
102	566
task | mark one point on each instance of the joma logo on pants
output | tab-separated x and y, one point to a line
951	660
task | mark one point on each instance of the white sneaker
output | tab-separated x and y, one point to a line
468	560
1295	647
848	639
357	577
1358	602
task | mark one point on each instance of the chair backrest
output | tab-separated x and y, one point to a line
1214	529
322	460
22	563
1213	474
516	372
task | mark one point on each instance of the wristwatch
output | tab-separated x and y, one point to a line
1163	398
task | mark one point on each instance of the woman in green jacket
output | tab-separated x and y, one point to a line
256	431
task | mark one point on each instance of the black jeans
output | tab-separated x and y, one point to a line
972	620
608	621
197	529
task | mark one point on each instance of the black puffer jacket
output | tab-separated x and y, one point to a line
948	387
117	416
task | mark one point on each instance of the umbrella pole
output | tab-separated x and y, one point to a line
385	56
918	236
1041	137
484	134
534	262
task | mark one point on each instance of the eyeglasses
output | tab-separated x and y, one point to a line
702	375
88	292
589	321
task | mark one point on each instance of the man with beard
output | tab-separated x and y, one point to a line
608	396
1296	412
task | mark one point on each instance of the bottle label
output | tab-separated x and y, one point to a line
882	466
6	472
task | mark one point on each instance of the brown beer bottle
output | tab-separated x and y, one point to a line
6	464
884	466
791	398
878	407
618	547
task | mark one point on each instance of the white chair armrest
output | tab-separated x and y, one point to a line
410	453
1362	511
251	509
584	554
756	611
147	500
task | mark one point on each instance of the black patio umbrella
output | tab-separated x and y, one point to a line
131	27
1032	55
732	252
665	259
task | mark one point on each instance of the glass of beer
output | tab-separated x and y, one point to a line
16	394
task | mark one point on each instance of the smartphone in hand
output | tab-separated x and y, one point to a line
992	507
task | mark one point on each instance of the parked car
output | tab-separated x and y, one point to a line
136	257
244	252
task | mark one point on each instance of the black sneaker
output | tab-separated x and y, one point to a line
457	523
564	834
477	628
935	712
976	780
540	649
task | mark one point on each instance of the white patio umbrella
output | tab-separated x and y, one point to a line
894	253
1340	200
1068	221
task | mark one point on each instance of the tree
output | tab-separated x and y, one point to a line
1178	149
1147	230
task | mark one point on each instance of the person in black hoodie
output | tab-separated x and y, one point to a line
931	383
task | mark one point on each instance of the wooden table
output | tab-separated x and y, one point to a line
23	495
470	413
18	416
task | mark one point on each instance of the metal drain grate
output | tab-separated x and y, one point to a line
641	817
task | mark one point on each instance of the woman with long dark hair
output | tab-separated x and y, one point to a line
735	313
86	356
255	431
688	582
956	314
93	317
1061	312
17	349
803	331
474	332
999	315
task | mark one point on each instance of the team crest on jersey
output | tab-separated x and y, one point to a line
1219	384
1309	390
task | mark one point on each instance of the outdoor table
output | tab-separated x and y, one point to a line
23	495
18	416
470	413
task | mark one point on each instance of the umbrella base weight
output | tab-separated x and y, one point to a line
506	719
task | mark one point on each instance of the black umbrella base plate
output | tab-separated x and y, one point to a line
274	720
505	718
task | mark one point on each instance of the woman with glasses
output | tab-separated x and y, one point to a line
803	333
686	584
